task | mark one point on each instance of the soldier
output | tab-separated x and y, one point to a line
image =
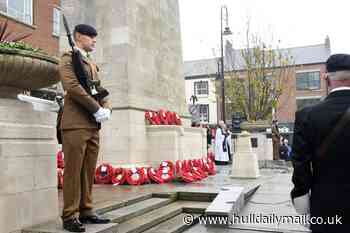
80	124
320	153
276	140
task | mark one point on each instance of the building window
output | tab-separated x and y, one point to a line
308	81
304	102
56	22
204	112
3	5
21	10
201	88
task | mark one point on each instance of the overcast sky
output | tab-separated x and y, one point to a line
294	23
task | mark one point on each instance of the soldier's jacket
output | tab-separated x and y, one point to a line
79	106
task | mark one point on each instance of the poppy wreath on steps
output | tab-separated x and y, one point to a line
154	176
119	176
60	159
146	176
170	118
148	117
163	117
197	174
60	172
200	165
178	168
176	119
188	177
182	174
152	118
104	173
210	166
187	165
166	171
135	176
156	118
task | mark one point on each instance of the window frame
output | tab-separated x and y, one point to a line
308	81
54	33
201	89
201	112
24	14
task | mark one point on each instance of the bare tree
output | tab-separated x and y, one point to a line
258	76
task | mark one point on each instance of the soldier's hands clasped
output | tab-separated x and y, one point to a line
102	115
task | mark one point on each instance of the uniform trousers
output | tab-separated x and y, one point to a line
80	148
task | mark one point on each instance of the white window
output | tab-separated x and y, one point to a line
21	10
56	21
201	88
204	112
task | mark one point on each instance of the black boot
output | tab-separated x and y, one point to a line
94	219
73	225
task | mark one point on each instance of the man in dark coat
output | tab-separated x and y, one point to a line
324	177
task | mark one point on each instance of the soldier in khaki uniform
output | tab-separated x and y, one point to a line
80	124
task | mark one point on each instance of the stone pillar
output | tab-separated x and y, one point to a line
245	162
28	177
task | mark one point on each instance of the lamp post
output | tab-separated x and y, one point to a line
227	31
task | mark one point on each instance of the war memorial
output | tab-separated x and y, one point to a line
139	54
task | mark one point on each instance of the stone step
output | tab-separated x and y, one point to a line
112	205
131	211
196	196
173	225
56	227
155	217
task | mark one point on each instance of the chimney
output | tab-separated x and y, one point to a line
229	52
327	43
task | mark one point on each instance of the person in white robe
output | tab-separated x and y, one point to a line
221	151
230	148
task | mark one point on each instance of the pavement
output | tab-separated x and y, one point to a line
271	200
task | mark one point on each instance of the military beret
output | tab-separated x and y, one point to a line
338	62
86	30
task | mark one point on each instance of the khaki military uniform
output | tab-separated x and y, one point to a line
80	139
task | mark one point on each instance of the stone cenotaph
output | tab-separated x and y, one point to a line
139	54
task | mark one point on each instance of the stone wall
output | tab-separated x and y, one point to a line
28	178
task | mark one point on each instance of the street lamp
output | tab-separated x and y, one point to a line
226	32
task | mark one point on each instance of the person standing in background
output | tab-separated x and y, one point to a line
221	150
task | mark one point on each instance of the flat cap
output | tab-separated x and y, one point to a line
86	29
338	62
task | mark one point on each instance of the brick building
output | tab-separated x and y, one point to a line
39	17
305	87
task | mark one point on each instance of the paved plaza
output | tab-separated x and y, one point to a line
272	197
